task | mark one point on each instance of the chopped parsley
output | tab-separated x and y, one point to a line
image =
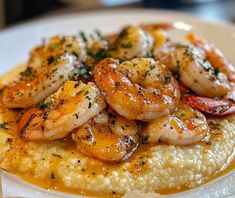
166	79
62	40
176	70
117	84
54	70
99	34
99	55
69	45
28	72
146	73
81	71
43	105
61	76
4	126
123	33
83	36
53	45
152	66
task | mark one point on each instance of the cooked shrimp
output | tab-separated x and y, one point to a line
139	89
218	107
165	52
107	137
214	56
215	106
49	66
185	126
198	74
71	106
132	42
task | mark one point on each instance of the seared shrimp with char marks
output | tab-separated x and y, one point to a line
71	106
139	89
185	126
49	66
108	137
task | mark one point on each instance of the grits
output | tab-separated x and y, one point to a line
58	165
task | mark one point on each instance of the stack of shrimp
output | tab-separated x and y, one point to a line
113	93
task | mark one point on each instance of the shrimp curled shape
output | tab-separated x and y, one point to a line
184	127
108	137
198	74
71	106
49	66
139	89
132	42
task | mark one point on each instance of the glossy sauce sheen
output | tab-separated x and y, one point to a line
56	185
135	169
69	145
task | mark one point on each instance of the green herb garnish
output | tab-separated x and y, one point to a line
99	34
83	36
4	126
166	79
176	70
117	84
43	105
28	72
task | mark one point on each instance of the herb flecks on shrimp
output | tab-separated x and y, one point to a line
49	66
127	88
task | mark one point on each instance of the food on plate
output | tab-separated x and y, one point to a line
49	66
105	115
140	89
108	137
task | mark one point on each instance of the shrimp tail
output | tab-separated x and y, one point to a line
156	26
210	105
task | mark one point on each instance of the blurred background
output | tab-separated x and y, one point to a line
18	11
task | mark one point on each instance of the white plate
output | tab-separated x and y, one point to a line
16	42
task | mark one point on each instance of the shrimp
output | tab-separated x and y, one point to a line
49	66
209	105
214	55
132	42
197	73
185	126
139	89
108	137
71	106
215	106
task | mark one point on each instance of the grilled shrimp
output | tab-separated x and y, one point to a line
132	42
49	66
198	74
71	106
185	126
108	137
139	89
